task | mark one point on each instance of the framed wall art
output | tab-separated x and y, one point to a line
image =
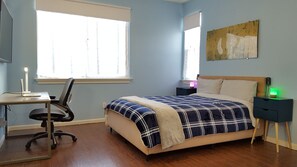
234	42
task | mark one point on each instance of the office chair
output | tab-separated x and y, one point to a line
63	113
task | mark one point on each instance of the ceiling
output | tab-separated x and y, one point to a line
178	1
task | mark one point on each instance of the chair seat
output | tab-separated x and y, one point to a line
41	114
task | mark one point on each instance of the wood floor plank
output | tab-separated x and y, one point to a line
97	147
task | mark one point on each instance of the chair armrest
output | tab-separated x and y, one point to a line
52	97
54	101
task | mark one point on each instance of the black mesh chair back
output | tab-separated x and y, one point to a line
66	92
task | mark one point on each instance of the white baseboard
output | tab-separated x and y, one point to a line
75	122
281	143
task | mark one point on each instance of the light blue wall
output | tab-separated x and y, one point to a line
155	57
155	51
3	88
276	47
3	77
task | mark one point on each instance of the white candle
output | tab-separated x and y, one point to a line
26	79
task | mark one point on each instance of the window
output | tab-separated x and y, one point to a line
79	45
191	46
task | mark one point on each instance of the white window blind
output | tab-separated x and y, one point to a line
70	43
192	21
191	46
84	8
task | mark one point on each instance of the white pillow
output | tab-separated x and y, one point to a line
212	86
241	89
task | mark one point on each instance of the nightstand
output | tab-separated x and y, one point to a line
278	110
185	91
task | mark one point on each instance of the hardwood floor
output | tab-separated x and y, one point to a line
97	147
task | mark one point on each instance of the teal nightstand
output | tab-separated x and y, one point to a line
278	110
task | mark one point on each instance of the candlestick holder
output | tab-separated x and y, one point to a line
26	70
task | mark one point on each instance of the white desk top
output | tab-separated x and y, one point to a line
16	98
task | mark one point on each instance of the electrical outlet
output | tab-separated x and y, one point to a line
104	104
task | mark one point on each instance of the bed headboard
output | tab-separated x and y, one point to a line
261	86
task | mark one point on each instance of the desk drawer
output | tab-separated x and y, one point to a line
271	115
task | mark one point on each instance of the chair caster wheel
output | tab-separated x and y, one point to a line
53	146
28	145
74	139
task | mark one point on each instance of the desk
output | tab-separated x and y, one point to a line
16	99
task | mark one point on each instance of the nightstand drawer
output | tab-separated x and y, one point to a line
267	103
271	115
185	91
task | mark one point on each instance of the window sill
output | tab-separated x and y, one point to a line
85	81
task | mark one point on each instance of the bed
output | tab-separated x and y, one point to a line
130	131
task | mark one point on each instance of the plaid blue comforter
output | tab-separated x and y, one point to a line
199	116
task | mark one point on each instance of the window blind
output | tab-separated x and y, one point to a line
192	21
83	8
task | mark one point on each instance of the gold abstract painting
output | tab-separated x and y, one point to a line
234	42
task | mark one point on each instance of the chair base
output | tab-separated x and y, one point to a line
58	133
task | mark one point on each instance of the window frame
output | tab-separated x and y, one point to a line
110	12
191	21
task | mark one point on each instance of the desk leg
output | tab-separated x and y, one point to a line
49	129
5	117
276	137
255	130
288	135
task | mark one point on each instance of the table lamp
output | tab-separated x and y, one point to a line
192	84
273	93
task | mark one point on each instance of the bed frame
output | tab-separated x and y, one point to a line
127	128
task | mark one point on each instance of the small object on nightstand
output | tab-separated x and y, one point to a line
185	91
273	93
192	84
277	110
